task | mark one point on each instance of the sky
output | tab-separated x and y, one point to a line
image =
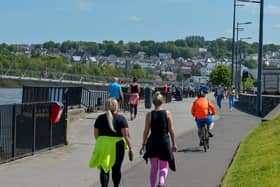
39	21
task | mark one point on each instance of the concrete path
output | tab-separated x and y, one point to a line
68	165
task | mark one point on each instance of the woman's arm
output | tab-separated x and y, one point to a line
139	88
171	131
147	128
146	131
127	138
95	133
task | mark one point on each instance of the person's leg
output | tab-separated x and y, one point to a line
135	110
163	166
104	178
200	133
153	171
116	169
230	102
131	111
219	101
199	124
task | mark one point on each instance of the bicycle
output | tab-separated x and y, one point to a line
205	136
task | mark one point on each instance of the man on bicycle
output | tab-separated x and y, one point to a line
203	110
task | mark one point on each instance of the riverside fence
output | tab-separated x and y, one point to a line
26	128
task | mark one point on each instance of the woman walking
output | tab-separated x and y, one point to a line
112	138
157	144
134	90
231	94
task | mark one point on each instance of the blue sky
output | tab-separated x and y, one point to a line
38	21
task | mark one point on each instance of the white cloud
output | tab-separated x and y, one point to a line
276	26
85	5
273	10
134	18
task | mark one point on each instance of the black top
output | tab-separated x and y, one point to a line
158	143
134	88
102	125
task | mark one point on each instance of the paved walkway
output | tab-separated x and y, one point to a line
67	166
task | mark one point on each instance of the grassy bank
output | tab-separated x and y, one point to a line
257	162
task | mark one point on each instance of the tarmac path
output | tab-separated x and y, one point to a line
67	166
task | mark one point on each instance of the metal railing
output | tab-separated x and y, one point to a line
26	128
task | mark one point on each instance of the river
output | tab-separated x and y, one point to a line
10	95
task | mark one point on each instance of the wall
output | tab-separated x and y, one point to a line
247	102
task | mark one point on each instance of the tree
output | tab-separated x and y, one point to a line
249	83
196	72
252	64
180	75
220	75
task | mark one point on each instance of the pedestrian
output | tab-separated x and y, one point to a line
203	111
115	90
165	91
156	143
231	94
112	138
134	91
219	96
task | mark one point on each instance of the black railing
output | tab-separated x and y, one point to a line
94	100
70	95
26	128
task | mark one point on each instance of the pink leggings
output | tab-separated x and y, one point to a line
156	164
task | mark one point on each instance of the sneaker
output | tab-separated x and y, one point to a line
160	185
210	134
131	118
200	143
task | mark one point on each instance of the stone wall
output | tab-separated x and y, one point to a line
248	102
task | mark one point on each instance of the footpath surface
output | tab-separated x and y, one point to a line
68	166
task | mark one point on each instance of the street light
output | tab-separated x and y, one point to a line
260	54
241	58
233	39
237	70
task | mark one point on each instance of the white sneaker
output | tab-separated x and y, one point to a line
211	125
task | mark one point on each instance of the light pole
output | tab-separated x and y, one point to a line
260	55
241	58
238	61
233	39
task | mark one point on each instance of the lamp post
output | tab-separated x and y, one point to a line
260	55
233	39
241	58
238	61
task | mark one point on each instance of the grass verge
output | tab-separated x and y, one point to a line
257	161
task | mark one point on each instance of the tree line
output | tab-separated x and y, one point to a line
219	48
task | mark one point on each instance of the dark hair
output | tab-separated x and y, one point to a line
134	79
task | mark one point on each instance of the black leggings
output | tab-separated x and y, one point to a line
116	169
135	109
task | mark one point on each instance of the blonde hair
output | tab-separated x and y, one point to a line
111	107
157	99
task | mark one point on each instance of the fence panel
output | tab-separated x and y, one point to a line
6	132
26	128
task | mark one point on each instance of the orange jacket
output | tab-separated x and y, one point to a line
200	108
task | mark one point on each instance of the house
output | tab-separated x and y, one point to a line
206	70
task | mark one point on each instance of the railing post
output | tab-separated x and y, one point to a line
14	129
51	130
34	127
